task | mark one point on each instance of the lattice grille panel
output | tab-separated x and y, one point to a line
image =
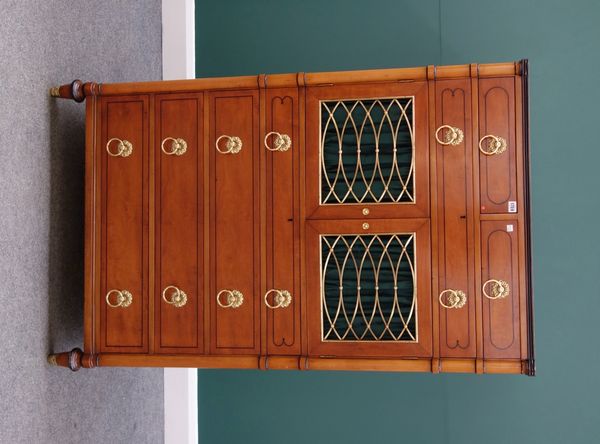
367	151
368	288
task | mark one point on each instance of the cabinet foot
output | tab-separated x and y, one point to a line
76	90
74	360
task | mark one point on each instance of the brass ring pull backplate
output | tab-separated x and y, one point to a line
124	147
282	142
282	298
495	145
453	298
123	298
452	135
234	298
178	298
232	146
178	146
499	289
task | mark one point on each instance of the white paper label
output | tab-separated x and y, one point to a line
512	206
509	228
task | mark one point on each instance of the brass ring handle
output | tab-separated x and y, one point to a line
233	145
124	147
235	298
495	145
124	298
282	142
178	297
282	298
455	299
178	146
452	135
499	289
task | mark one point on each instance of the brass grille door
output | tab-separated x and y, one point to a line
367	147
368	288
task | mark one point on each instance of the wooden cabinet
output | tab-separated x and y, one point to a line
370	220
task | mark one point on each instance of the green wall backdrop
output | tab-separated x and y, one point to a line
561	404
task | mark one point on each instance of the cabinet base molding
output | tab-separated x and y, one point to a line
76	359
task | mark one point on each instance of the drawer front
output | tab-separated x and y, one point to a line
455	298
369	288
500	289
123	298
497	150
235	217
367	151
179	228
281	148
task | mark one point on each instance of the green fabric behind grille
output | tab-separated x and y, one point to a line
346	254
335	122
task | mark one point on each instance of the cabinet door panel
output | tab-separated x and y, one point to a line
367	151
283	267
235	247
500	294
178	223
369	288
124	196
497	172
455	219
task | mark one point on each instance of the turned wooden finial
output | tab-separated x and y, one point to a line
75	359
76	90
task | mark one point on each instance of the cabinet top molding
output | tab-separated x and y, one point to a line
78	90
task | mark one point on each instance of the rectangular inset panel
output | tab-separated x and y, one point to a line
235	251
178	161
367	148
497	168
455	218
283	260
500	289
368	288
123	299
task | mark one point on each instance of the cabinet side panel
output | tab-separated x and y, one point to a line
124	224
455	219
283	324
178	212
92	223
497	172
234	209
499	262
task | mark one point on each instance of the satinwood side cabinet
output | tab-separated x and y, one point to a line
363	220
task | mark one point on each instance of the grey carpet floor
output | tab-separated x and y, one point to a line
44	43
